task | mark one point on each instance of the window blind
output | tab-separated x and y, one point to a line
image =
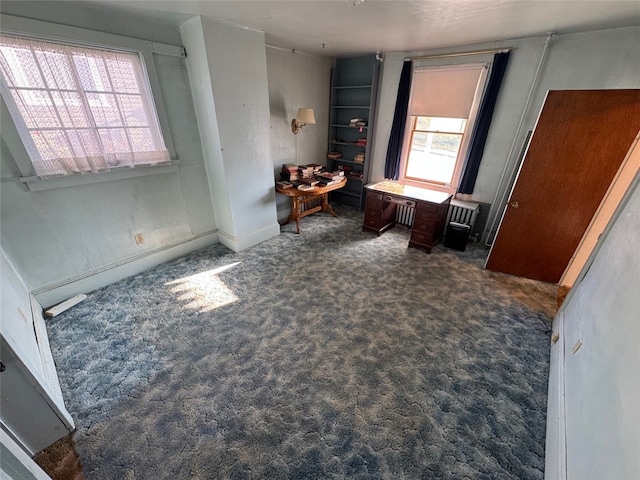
444	92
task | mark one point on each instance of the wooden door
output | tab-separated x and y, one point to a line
580	141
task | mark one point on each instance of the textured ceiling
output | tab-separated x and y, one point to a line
350	27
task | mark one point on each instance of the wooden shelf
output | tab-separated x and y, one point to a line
363	107
351	144
338	125
348	193
354	83
347	161
347	87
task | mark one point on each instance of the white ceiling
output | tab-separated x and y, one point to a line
351	27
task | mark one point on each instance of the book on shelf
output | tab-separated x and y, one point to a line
330	178
362	142
330	175
359	158
334	155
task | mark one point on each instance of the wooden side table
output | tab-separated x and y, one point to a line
302	197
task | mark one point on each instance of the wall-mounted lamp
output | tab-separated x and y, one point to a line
303	117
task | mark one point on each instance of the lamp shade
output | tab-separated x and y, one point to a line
305	115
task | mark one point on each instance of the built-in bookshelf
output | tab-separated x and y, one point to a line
354	87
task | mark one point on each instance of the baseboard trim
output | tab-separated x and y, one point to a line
239	243
555	467
55	293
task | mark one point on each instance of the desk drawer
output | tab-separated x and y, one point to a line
426	210
426	213
426	218
373	223
374	200
422	226
379	215
422	238
372	213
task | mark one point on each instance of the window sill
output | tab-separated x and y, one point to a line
36	184
430	186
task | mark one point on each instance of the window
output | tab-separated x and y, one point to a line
442	108
434	148
79	110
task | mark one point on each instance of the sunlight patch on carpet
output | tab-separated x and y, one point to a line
204	291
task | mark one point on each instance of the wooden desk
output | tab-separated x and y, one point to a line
429	217
302	197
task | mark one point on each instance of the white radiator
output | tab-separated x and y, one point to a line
463	212
459	212
404	215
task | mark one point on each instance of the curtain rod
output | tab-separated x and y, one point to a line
460	54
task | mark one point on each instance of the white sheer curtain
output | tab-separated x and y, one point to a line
79	110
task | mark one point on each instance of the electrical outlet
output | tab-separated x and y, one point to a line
139	238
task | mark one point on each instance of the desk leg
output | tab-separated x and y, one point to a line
325	205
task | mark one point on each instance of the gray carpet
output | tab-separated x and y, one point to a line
326	355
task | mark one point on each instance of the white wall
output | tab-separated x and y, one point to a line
94	18
297	80
594	60
63	236
228	71
593	419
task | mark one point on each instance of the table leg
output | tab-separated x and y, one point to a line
295	212
325	205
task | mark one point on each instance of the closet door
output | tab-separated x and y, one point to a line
31	406
579	142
